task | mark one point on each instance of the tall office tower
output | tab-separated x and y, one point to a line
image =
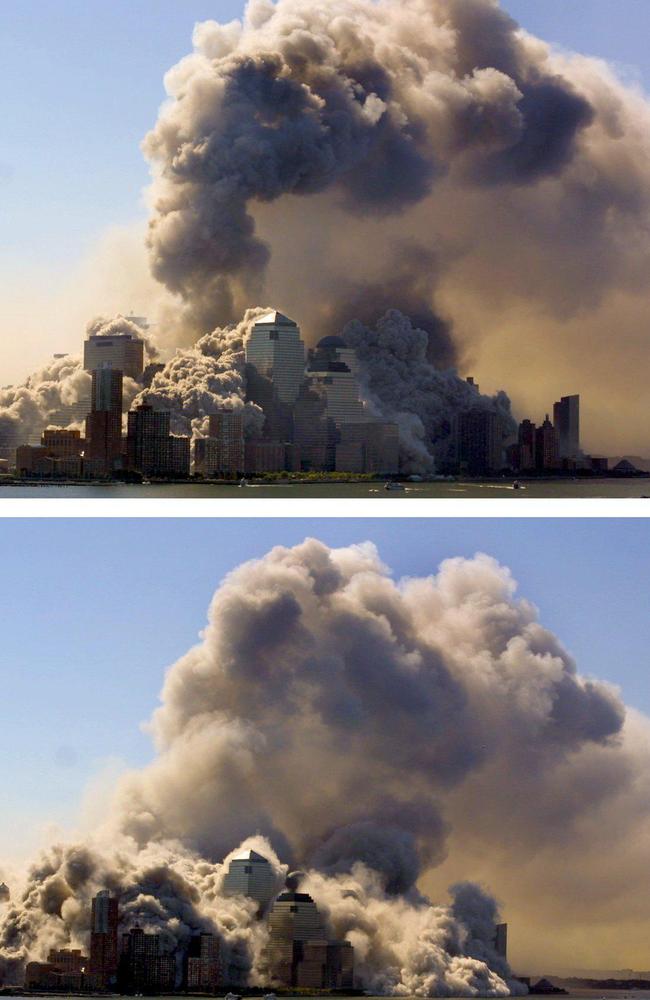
372	446
143	968
526	445
264	456
226	427
299	953
250	874
546	446
314	432
566	419
278	416
275	349
124	351
334	366
479	442
202	969
103	941
147	442
501	940
104	422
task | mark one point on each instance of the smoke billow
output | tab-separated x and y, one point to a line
404	387
41	400
432	157
381	735
200	380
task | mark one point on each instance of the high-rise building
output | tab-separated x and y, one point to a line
566	420
143	967
264	456
314	431
150	448
276	350
526	445
124	351
501	940
226	427
372	446
104	422
478	437
299	953
103	941
546	446
334	366
250	874
148	440
202	967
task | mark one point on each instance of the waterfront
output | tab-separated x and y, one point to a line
472	489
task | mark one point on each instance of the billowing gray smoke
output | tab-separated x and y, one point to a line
347	158
375	101
201	379
103	326
405	388
375	732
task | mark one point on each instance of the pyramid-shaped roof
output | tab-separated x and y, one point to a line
275	318
249	855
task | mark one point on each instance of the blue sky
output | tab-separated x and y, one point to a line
101	608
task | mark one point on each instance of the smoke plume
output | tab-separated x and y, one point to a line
382	735
428	156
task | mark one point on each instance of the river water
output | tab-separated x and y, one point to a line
543	489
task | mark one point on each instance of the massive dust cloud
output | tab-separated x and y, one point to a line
380	735
342	161
326	157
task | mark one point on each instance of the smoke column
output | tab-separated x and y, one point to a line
381	735
427	156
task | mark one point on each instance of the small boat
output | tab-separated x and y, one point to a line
270	996
394	486
242	483
516	485
232	996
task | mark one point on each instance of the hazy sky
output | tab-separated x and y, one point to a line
102	608
85	79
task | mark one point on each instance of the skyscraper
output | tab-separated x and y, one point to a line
566	420
334	366
148	440
202	970
143	967
124	351
546	446
479	442
275	349
299	953
103	941
104	422
250	874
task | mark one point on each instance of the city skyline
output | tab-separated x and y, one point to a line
603	562
531	337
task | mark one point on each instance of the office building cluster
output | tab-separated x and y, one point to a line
315	420
299	953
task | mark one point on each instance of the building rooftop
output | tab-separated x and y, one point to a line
330	343
275	318
249	855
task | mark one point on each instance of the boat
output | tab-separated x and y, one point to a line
269	996
516	485
232	996
242	483
393	486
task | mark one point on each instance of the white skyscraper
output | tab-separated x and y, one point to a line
249	874
276	350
